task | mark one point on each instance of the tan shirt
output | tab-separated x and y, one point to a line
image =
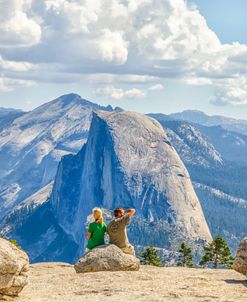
117	231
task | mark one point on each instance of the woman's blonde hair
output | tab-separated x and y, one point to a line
98	215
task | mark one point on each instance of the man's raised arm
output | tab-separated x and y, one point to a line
131	212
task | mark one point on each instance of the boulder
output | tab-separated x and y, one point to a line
240	262
13	267
106	258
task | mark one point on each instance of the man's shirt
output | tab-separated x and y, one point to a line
117	231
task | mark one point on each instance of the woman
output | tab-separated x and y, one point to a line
96	230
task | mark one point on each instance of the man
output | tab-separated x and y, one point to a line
117	230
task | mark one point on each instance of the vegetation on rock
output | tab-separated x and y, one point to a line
217	253
185	257
150	257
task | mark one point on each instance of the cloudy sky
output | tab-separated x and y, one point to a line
143	55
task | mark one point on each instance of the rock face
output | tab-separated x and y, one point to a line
240	263
128	161
106	258
13	267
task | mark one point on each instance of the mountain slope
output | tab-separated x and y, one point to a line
225	214
231	145
8	115
20	213
192	146
32	146
200	117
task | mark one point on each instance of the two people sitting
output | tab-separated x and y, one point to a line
116	230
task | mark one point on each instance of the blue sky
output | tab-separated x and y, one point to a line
226	17
144	55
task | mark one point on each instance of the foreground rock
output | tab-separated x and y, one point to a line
240	263
58	282
107	258
13	267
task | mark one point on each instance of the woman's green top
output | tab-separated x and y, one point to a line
97	231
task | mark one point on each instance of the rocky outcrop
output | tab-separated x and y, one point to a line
128	161
106	258
13	267
240	263
58	282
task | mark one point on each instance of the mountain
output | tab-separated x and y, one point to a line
200	117
225	214
127	161
199	147
8	115
33	144
20	213
216	160
231	145
193	147
197	143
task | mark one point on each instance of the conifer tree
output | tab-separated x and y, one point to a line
185	258
217	252
150	257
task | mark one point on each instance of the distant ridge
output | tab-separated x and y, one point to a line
196	116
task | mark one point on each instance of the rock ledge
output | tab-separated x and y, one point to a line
240	263
13	267
106	258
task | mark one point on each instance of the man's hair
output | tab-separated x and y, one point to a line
118	211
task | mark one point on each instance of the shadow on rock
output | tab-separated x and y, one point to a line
232	281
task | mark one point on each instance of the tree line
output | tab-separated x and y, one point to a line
216	254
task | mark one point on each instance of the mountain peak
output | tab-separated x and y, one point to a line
72	98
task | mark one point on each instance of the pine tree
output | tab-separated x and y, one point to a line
150	257
217	252
185	258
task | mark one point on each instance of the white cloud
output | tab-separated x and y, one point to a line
17	26
15	66
156	87
119	93
134	93
197	81
231	91
110	91
131	79
7	84
130	42
110	47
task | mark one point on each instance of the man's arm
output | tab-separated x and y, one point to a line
131	212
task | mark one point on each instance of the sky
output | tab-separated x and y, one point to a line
143	55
